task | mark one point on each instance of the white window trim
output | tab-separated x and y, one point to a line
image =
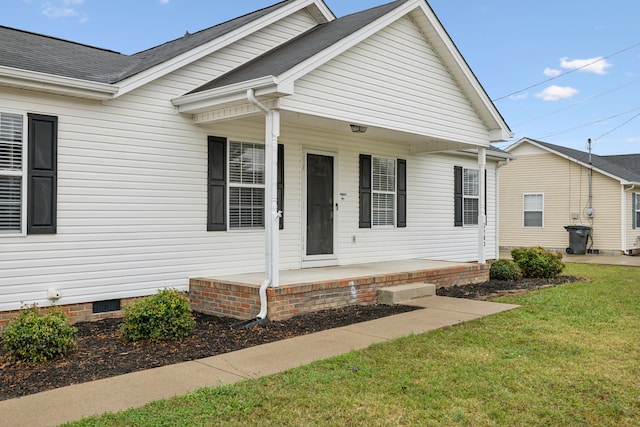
23	173
524	225
637	212
394	193
231	184
465	197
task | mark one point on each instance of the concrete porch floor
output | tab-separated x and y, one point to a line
342	272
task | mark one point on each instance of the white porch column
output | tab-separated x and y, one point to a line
272	215
482	217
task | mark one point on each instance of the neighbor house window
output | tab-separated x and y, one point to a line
11	172
246	185
533	206
470	196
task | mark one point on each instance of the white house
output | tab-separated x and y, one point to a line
280	140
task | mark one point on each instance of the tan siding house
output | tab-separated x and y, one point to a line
548	187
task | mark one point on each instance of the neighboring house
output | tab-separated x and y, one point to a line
547	188
123	174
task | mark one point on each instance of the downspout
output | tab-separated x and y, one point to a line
272	255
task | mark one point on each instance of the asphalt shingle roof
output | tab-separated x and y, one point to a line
301	48
626	167
35	52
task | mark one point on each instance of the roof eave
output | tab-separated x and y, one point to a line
59	85
322	14
263	87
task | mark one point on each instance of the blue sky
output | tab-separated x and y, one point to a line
561	71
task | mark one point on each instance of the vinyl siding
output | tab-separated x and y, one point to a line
565	186
365	84
131	191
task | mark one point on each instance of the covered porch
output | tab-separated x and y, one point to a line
313	289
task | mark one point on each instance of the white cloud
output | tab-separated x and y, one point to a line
633	140
63	9
164	1
556	93
597	65
519	96
552	72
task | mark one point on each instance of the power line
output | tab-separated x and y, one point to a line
566	72
591	123
617	127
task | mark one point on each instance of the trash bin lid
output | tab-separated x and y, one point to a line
576	227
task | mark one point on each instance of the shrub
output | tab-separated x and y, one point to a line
37	337
159	317
538	262
505	269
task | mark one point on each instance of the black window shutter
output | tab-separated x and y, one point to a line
42	174
634	207
485	195
281	184
457	191
217	184
365	191
402	193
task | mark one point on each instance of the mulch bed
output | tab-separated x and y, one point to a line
101	353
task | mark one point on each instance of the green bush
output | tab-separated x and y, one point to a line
37	337
159	317
505	269
538	262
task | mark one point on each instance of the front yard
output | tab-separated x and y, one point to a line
568	357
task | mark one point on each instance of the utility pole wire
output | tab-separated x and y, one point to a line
565	73
617	127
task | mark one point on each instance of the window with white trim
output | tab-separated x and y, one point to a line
471	191
383	176
246	185
533	209
12	173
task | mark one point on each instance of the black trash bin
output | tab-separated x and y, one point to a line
578	237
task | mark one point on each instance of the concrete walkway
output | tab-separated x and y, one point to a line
115	394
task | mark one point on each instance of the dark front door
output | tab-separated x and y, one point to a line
320	207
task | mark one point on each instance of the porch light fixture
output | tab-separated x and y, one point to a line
358	129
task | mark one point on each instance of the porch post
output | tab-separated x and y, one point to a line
482	217
271	196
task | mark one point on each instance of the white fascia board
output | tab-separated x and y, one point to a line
345	44
197	53
210	99
498	130
49	83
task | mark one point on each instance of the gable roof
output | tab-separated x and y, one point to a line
35	52
288	55
622	167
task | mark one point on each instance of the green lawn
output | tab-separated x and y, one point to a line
569	357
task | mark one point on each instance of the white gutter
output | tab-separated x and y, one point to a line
272	215
60	85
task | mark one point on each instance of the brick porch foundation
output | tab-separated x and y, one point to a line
242	301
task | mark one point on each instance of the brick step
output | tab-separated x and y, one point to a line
393	295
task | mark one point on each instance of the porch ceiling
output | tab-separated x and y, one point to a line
417	143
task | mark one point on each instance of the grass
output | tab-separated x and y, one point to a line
568	357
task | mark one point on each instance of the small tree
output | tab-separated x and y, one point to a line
538	262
